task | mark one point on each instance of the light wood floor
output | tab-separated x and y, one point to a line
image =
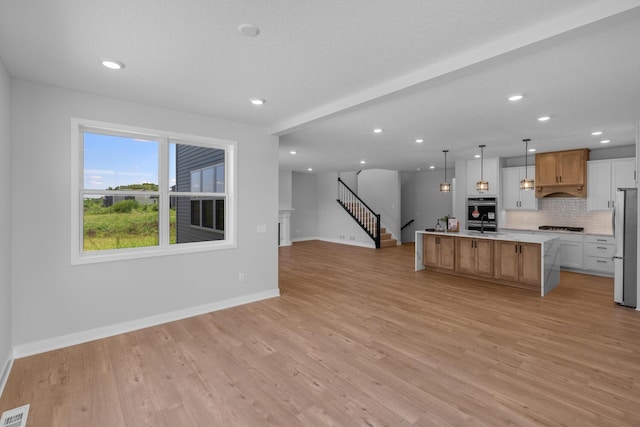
357	338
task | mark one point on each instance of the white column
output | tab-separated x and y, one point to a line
284	223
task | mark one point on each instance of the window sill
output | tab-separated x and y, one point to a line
146	252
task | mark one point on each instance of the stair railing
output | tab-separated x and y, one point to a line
406	225
359	211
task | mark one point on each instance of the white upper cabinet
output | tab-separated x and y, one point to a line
604	177
491	172
512	197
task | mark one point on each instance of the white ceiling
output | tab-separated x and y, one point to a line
333	70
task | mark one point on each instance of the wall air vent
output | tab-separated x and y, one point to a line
15	417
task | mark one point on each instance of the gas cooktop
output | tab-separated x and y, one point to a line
560	228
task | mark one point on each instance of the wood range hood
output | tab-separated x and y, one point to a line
562	173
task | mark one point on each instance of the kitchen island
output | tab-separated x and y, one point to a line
528	261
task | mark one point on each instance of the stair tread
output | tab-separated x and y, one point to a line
388	243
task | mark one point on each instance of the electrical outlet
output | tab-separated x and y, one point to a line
342	237
352	237
241	277
262	228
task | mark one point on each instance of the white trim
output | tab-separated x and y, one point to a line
6	370
36	347
164	138
340	241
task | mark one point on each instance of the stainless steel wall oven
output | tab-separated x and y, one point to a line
482	214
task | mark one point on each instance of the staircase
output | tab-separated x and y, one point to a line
385	239
364	216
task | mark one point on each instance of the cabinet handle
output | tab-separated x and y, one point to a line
601	240
600	247
601	261
560	178
608	203
613	203
516	248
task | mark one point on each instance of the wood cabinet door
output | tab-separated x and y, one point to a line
529	265
484	257
506	260
447	252
546	169
430	250
465	255
571	167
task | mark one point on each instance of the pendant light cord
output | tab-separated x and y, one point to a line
526	158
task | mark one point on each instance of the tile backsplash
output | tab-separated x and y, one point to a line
570	211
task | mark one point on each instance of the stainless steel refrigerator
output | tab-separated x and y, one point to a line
625	230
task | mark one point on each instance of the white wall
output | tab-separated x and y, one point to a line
380	190
317	214
285	189
350	178
6	345
423	201
51	297
334	223
304	200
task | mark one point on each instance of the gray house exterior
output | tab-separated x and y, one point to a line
198	169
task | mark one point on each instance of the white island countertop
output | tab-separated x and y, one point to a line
509	236
549	251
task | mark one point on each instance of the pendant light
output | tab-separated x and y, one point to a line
526	183
482	185
445	187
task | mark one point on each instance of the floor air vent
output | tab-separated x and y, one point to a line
15	417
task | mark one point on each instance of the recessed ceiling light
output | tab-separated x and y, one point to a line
310	169
377	130
605	141
596	133
113	65
543	118
362	162
477	156
418	169
419	141
257	101
532	150
432	167
293	152
249	30
516	97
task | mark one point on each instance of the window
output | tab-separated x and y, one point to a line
140	192
203	213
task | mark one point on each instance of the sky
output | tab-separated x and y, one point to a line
110	161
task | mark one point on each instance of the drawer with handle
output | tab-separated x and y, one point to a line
604	265
607	240
598	250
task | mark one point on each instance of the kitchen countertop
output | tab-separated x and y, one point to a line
509	236
536	230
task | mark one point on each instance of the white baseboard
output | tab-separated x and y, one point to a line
29	349
339	241
6	370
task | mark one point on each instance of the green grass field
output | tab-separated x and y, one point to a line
122	226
